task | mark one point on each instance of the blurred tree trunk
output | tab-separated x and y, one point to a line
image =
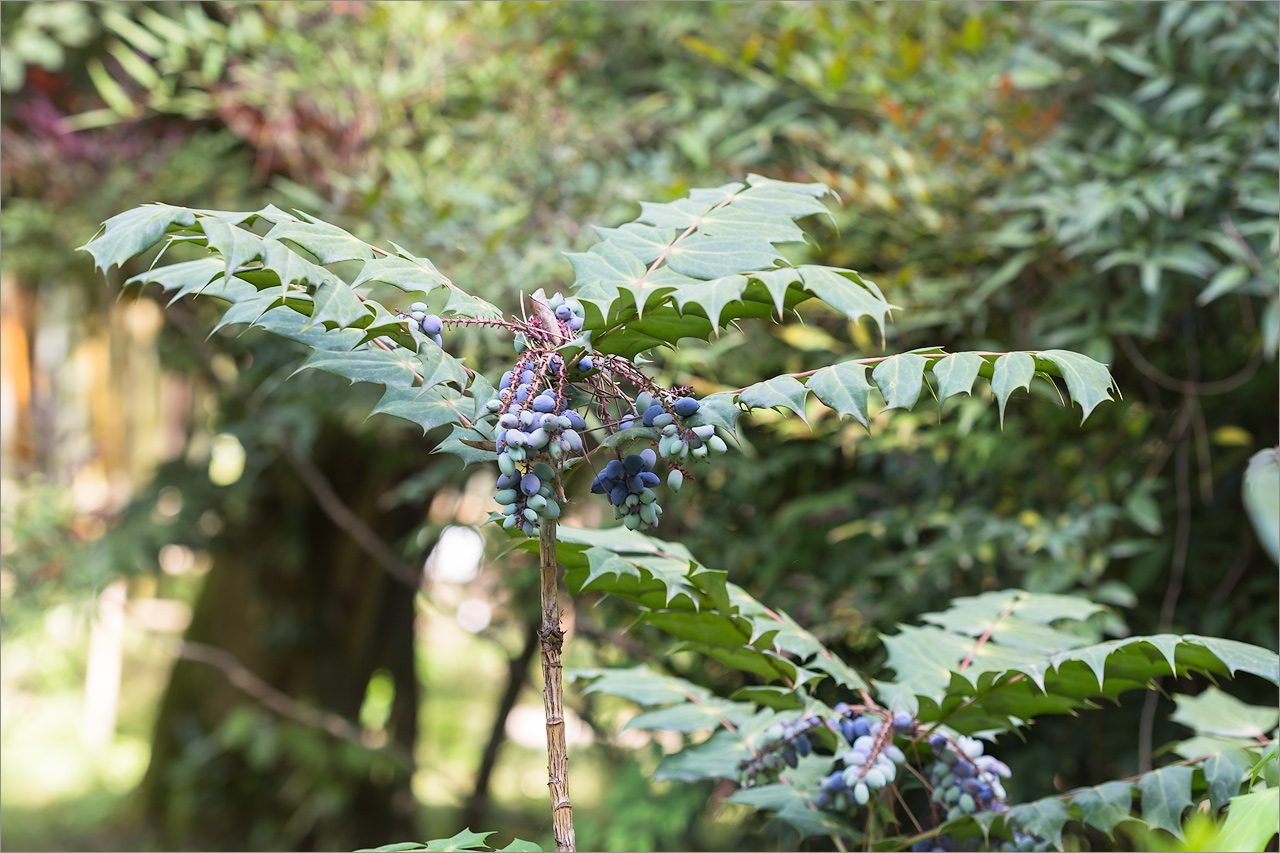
293	599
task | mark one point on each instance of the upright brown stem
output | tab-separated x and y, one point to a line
553	694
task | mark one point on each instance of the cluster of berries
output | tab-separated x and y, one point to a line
964	780
430	324
628	484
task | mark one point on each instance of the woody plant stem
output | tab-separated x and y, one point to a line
552	638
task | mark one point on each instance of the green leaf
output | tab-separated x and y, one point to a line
438	367
703	256
288	323
368	365
843	387
1088	382
1251	821
412	275
626	436
1227	280
133	232
714	254
900	379
236	245
641	685
428	409
335	302
1223	775
690	717
1262	499
1215	712
1043	817
1166	793
184	278
847	292
956	373
464	842
328	243
715	758
784	392
1104	806
521	846
601	562
712	296
1012	371
469	455
718	410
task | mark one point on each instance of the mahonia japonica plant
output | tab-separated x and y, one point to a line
576	395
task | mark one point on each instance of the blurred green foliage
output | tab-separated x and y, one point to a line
1099	176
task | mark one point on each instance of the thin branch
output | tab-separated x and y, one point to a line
906	808
1183	386
240	676
342	515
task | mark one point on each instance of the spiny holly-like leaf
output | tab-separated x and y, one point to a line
288	323
369	365
718	410
412	275
843	387
712	296
847	292
1043	817
182	279
697	605
713	254
641	685
900	379
1165	794
692	716
1010	655
328	243
268	282
715	758
335	302
1215	712
1251	821
469	455
1088	382
236	245
438	367
624	437
602	561
428	409
1104	806
1223	774
782	392
1012	371
708	258
956	373
133	232
464	842
519	845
